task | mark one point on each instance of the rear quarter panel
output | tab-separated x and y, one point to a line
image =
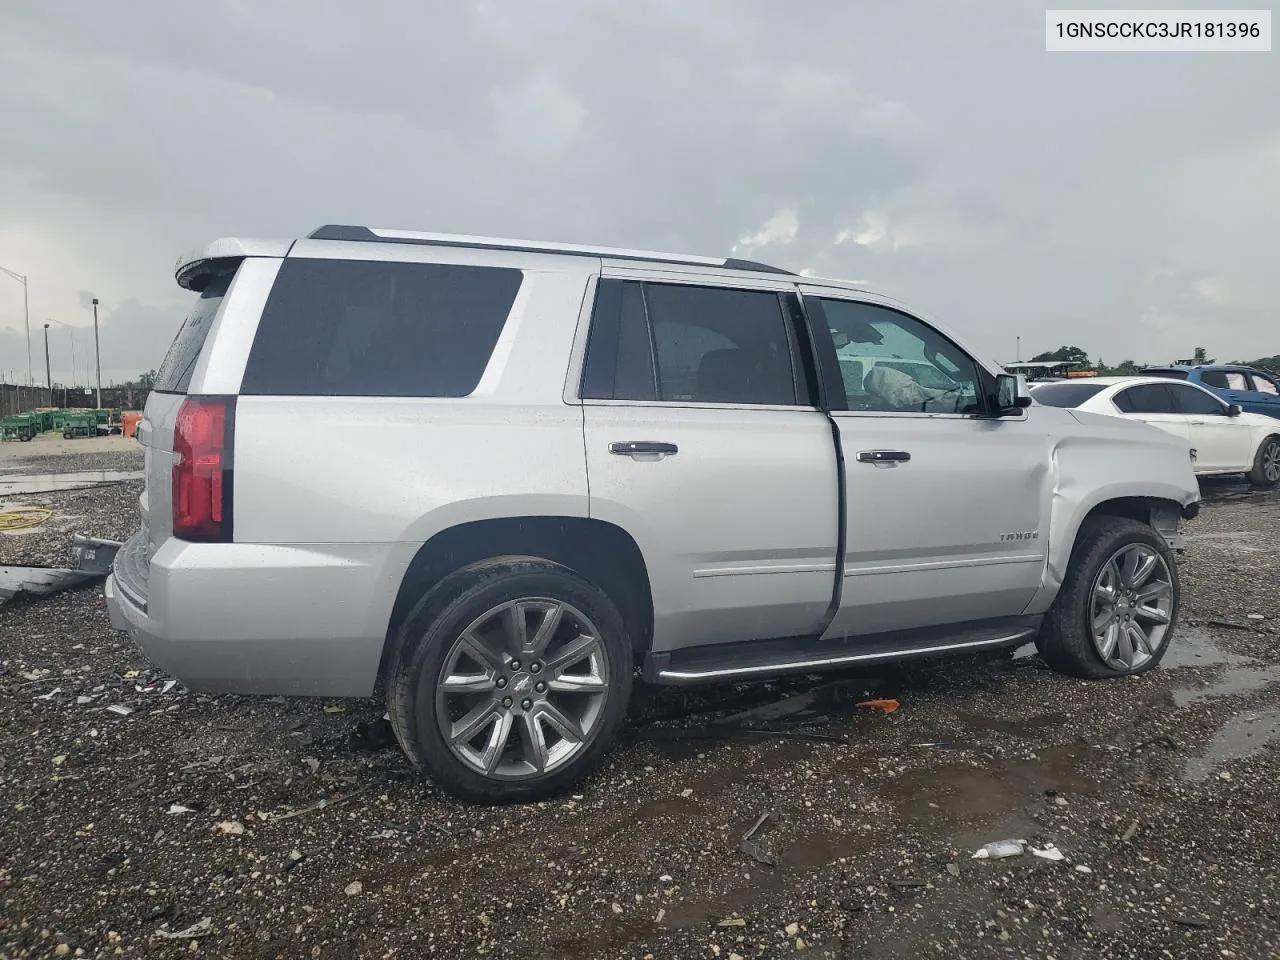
385	474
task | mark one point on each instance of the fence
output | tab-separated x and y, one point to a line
18	399
15	398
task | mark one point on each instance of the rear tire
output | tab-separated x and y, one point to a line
511	680
1117	610
1266	463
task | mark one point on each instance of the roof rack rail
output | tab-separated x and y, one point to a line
368	235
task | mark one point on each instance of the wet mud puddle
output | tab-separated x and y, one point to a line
1245	733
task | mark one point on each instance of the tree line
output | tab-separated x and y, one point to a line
1130	368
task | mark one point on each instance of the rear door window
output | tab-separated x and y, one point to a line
174	375
690	344
371	328
1145	398
1214	378
619	361
717	345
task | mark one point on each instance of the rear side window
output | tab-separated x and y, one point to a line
1145	398
174	375
377	329
1263	384
1214	378
1066	394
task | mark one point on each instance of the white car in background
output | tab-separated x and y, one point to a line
1223	438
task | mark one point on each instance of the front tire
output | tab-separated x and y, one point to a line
1117	610
512	681
1266	463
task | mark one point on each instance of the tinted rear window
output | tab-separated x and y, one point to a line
174	375
368	328
1168	374
1066	394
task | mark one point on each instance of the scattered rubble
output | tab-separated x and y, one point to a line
113	836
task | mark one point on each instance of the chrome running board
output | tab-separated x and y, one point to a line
766	658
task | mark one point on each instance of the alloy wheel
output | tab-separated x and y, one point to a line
1131	607
522	690
1271	461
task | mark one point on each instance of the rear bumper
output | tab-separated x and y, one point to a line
261	619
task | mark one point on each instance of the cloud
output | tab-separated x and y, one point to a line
781	228
942	154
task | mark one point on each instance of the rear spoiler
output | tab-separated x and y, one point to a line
194	270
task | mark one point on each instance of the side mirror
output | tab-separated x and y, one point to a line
1234	409
1011	395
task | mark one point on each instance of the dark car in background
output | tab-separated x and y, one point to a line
1254	390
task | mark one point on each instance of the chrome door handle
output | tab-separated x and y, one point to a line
633	448
883	456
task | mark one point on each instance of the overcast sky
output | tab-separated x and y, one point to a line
1127	203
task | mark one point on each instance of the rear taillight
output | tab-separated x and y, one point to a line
202	469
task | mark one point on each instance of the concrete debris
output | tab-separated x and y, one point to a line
752	849
1048	852
201	928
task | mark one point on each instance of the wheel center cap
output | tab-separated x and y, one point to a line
521	683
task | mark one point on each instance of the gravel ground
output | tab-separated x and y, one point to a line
1164	787
108	510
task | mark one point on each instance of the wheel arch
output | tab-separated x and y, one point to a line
1160	513
602	553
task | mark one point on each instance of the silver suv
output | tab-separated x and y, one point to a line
492	478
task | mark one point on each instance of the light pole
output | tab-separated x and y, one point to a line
71	336
48	377
26	313
97	355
